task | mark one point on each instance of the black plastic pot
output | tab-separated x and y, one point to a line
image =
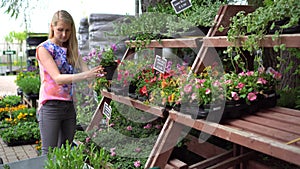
110	70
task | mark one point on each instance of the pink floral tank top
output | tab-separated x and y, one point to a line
49	89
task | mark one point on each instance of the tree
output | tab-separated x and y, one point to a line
14	7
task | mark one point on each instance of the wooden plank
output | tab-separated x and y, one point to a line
212	160
164	145
168	166
226	12
284	110
178	164
290	40
205	149
279	117
155	110
233	161
245	138
98	114
276	134
284	126
192	42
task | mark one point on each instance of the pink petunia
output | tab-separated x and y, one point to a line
129	128
207	91
119	77
261	81
249	73
113	154
228	81
148	126
137	164
251	96
187	88
235	96
87	140
240	85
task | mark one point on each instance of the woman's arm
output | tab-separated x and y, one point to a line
49	64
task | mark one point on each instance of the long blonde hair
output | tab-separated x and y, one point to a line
72	43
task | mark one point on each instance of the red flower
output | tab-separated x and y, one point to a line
143	91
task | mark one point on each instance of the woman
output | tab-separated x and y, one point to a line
58	59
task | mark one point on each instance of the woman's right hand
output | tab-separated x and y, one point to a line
95	72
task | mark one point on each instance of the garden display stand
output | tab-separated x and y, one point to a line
274	131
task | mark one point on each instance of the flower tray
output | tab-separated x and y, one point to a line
14	142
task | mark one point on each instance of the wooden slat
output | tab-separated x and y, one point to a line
275	134
203	149
284	126
279	117
192	42
233	161
212	161
98	114
178	164
244	138
158	111
284	110
290	40
165	143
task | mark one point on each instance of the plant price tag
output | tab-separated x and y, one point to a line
160	64
107	110
181	5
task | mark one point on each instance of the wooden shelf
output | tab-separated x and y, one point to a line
255	131
290	40
155	110
191	42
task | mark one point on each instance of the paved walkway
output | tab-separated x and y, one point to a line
13	153
16	153
8	85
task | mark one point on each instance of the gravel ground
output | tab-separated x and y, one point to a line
7	85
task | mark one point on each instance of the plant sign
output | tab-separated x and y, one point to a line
107	110
181	5
160	64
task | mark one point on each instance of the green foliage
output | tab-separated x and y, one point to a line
25	131
30	85
76	157
202	12
29	82
10	100
149	26
129	136
257	24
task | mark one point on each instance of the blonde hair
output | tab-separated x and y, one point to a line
72	43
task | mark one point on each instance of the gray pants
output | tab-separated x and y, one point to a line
57	123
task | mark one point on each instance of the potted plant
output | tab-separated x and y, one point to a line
200	15
29	82
149	26
259	23
106	57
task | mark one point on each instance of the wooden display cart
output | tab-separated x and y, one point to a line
273	131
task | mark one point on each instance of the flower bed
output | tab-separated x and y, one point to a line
19	125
